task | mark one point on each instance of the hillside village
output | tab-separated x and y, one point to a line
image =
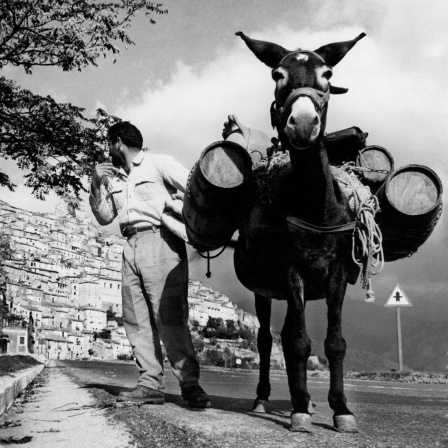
61	283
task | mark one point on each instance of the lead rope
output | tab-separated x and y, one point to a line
367	247
209	257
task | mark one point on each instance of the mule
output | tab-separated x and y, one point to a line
299	247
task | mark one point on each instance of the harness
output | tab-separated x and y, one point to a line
319	99
367	250
331	230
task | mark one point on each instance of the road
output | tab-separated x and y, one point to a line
388	414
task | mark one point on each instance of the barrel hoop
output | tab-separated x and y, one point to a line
187	188
368	169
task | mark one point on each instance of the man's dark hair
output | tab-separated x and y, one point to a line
128	134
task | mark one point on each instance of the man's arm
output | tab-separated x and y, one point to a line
101	206
175	173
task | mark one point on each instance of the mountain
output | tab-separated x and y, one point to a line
371	331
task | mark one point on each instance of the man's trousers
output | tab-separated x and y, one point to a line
155	306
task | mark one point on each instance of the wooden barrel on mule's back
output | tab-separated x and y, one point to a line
380	161
217	191
410	206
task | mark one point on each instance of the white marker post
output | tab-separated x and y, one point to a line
398	299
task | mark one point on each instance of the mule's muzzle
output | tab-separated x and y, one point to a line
280	117
320	99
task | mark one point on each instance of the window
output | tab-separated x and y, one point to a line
22	340
118	286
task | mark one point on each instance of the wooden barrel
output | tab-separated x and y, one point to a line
217	191
410	206
378	159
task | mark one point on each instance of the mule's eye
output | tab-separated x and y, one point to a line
277	76
327	74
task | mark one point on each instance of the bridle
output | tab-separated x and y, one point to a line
319	99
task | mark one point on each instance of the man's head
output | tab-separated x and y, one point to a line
127	133
123	135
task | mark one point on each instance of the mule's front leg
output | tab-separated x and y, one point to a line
297	348
264	344
335	347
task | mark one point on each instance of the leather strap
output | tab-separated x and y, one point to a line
129	232
349	227
319	98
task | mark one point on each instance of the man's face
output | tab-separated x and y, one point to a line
114	153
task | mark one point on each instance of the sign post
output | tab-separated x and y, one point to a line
398	299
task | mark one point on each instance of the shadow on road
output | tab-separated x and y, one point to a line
279	412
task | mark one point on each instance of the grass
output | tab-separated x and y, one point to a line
401	377
11	364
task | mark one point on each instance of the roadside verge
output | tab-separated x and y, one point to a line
12	384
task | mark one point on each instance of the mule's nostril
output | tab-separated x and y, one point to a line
316	120
292	120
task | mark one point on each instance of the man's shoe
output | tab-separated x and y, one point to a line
196	397
142	394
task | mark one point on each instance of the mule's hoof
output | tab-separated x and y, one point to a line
345	423
311	407
260	406
300	422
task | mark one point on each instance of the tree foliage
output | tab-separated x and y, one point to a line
105	333
70	34
5	254
5	249
56	142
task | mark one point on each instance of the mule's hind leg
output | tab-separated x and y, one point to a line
264	344
297	348
335	347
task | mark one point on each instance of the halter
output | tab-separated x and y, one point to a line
319	99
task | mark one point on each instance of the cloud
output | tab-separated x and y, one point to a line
186	114
398	101
396	93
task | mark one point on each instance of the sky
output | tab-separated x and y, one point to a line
188	72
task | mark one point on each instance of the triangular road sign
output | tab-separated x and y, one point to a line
398	297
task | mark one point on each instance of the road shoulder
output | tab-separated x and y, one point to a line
55	411
13	383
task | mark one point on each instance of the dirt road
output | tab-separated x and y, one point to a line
388	414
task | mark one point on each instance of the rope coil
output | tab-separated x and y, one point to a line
367	247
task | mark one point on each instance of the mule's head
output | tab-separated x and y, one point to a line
302	88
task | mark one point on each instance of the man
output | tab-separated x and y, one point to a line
155	266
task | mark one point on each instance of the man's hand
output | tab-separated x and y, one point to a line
102	170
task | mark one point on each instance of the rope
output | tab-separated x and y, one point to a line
367	247
209	257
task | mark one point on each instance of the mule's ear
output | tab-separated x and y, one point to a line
337	90
333	53
269	53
